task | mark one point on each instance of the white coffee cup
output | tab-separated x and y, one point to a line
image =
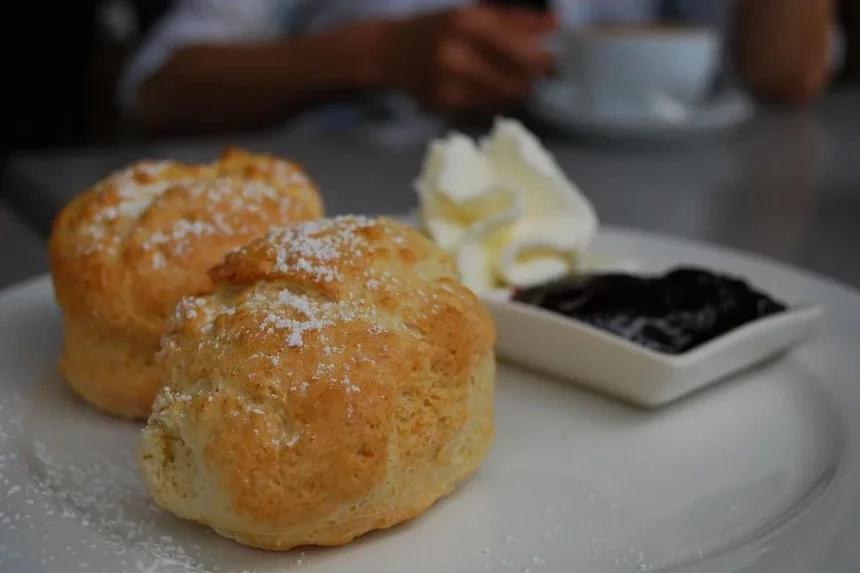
636	70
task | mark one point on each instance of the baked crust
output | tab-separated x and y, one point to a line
339	379
123	253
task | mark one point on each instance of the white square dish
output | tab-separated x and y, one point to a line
580	353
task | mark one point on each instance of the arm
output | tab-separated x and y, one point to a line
208	71
782	48
206	87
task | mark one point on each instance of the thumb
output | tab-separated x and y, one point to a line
530	21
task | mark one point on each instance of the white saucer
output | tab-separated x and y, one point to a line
555	102
757	476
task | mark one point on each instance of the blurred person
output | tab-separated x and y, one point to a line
229	64
850	20
50	73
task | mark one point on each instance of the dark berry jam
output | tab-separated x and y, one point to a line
671	313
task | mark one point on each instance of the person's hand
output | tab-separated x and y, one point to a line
477	58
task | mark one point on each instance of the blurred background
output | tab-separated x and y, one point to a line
68	58
730	122
98	84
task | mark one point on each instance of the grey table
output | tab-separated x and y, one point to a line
22	252
786	185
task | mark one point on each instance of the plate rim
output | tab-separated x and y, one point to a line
849	523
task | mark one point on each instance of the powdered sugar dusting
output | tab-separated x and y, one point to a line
127	194
309	317
71	499
315	247
135	188
189	309
99	491
280	311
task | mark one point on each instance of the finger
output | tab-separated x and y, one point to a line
529	21
519	52
461	62
521	58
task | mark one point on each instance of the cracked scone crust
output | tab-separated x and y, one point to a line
124	252
338	380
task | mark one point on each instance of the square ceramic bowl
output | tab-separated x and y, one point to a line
577	352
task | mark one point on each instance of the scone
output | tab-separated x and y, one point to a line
338	380
124	252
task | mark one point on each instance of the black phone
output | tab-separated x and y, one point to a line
539	5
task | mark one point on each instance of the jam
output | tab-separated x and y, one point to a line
671	313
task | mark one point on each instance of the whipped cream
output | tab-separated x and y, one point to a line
503	209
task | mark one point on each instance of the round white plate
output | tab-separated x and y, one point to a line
759	474
555	102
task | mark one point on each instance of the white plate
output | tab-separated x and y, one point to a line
555	103
580	353
759	475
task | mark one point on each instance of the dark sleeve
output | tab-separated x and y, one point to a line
849	16
149	11
697	12
50	103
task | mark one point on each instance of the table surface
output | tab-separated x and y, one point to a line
785	185
22	251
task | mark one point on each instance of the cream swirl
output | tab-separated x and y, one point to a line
503	208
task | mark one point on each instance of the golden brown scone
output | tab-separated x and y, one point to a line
124	252
338	380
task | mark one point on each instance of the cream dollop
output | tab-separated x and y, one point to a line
503	208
